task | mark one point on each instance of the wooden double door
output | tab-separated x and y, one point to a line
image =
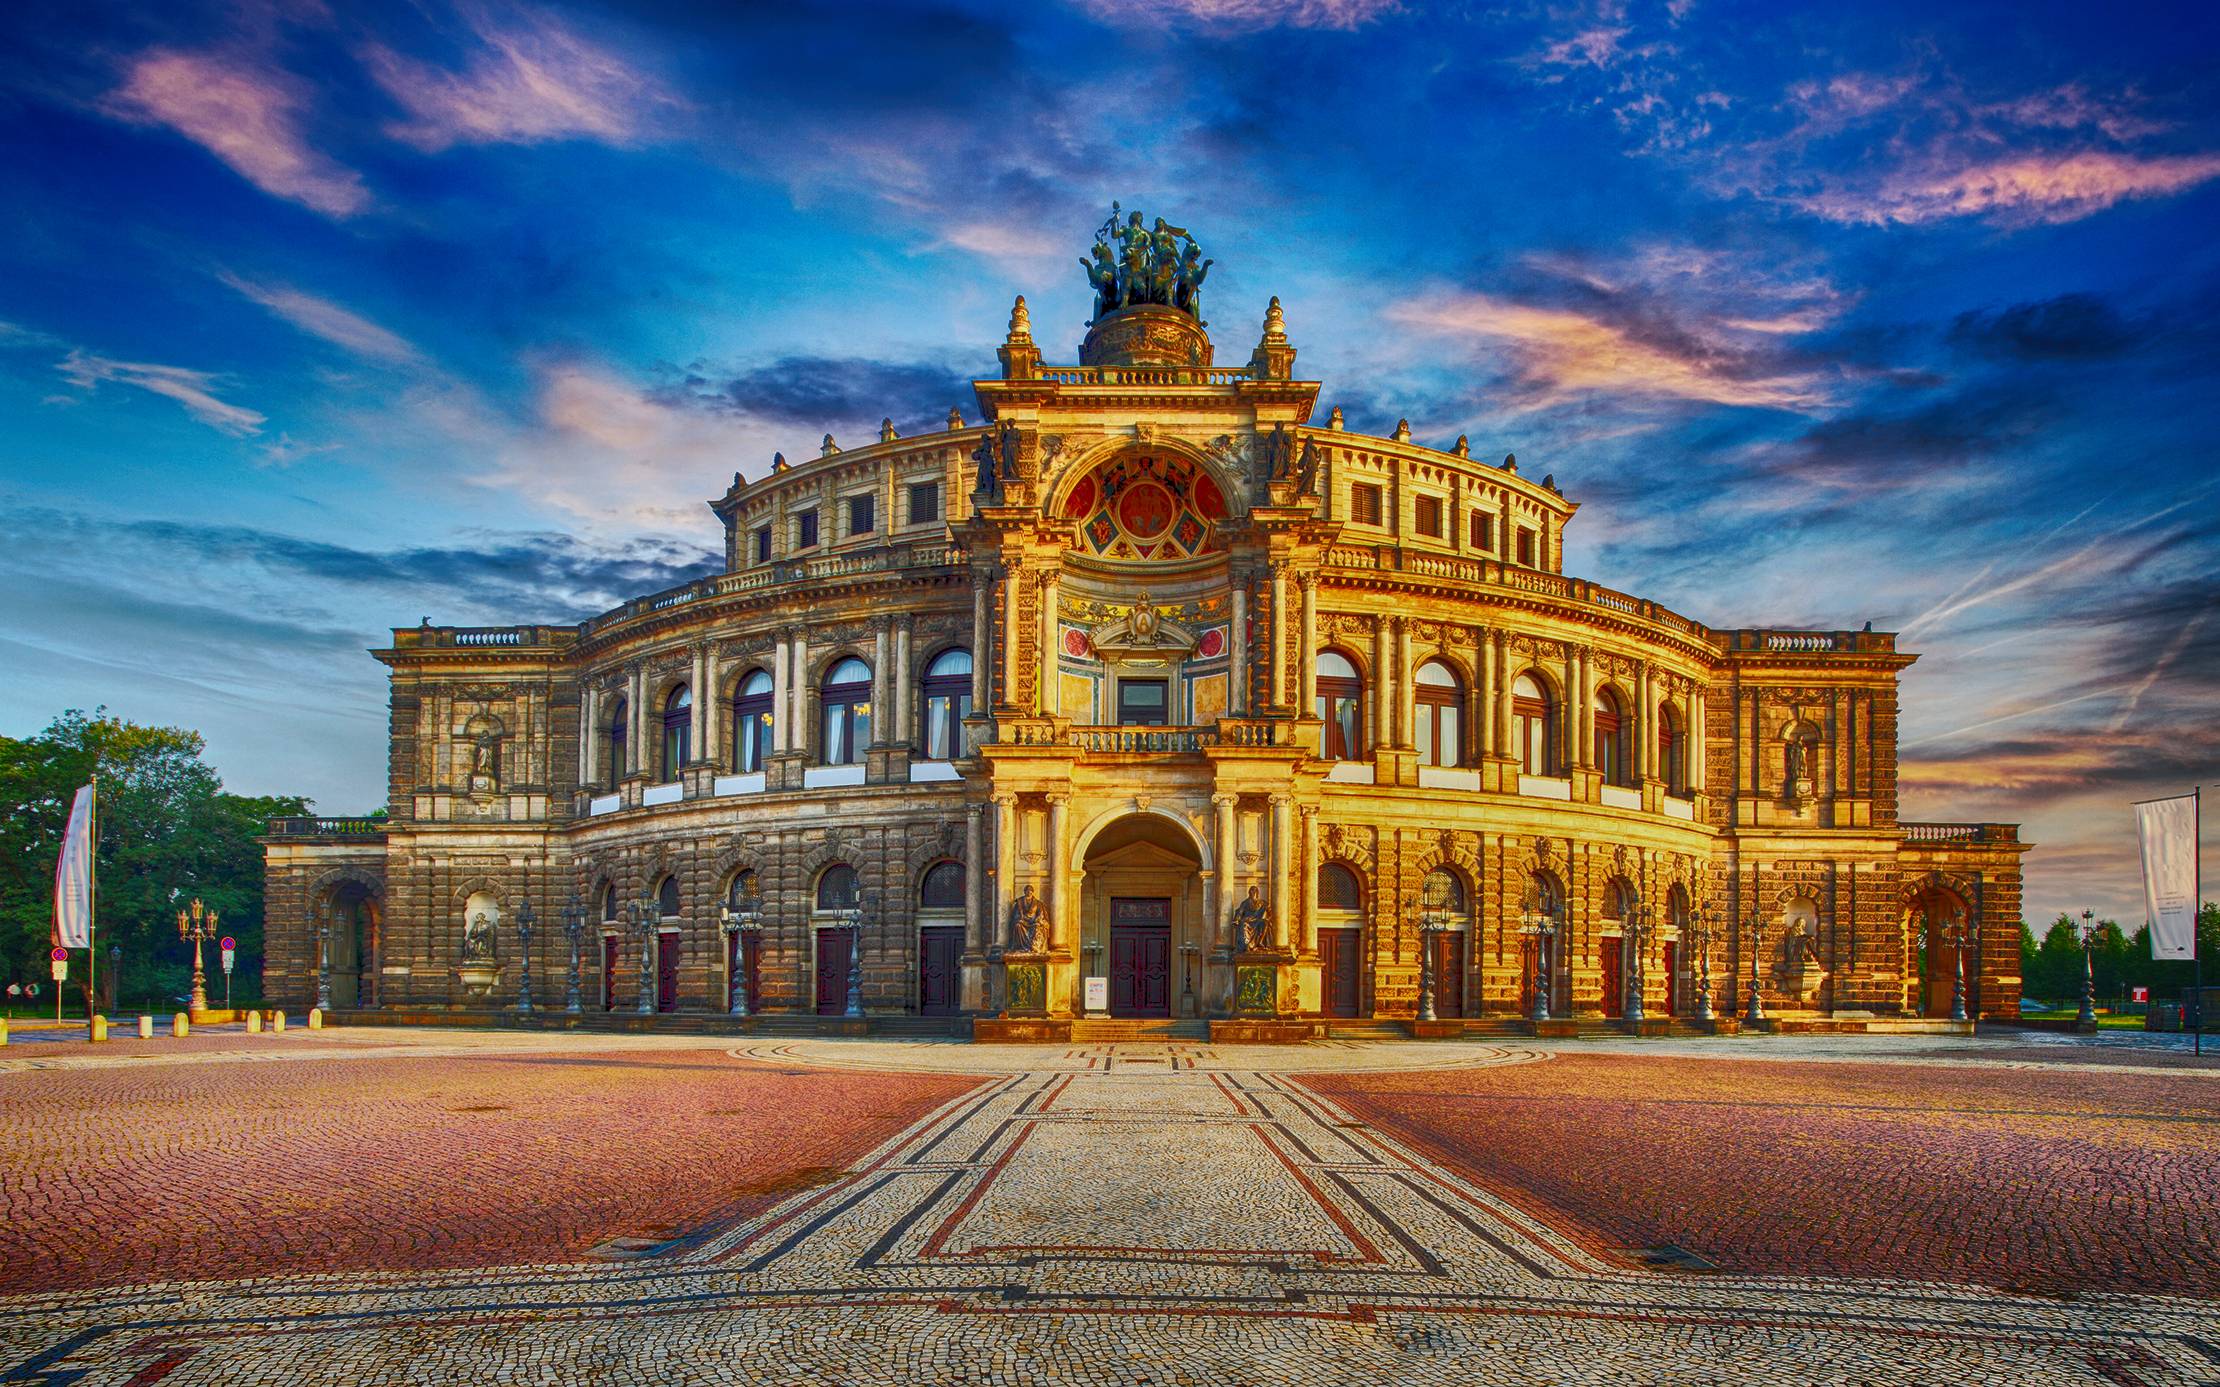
1339	970
1140	956
834	947
940	952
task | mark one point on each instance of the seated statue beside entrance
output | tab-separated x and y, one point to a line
1252	923
1028	917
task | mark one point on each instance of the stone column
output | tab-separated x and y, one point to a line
1049	598
1404	682
1059	870
1278	642
976	932
1696	757
798	685
1307	656
1307	879
1282	859
1013	584
980	655
882	685
782	700
709	722
1581	697
1383	718
1483	712
1223	853
1503	685
589	728
1005	866
1239	673
637	719
903	712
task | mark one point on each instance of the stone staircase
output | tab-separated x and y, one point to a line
1111	1030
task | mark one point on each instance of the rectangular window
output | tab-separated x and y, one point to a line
1526	546
863	514
1429	516
805	529
1142	702
924	503
1364	503
763	544
1483	531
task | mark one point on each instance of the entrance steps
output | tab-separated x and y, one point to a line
1110	1030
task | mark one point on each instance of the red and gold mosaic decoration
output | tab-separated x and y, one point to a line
1146	506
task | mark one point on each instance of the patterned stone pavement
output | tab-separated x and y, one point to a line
1116	1214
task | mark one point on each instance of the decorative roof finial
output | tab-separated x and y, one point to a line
1402	430
955	417
1463	448
778	462
886	431
1334	421
1275	322
829	447
1021	321
1510	462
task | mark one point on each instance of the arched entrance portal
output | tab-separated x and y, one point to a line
1928	926
354	934
1142	927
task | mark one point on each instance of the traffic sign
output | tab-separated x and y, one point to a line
227	959
58	954
61	970
228	943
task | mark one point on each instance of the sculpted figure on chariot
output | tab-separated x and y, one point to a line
1132	264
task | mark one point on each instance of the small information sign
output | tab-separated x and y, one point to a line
1098	994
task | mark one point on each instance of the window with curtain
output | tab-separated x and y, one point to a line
751	722
846	701
947	691
678	730
1533	726
1440	697
836	887
1340	707
1611	739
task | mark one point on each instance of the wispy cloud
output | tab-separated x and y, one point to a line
1242	15
320	317
2031	187
525	83
195	390
250	116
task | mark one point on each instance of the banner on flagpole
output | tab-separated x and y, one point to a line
73	882
2168	830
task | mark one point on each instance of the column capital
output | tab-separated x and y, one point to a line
1225	801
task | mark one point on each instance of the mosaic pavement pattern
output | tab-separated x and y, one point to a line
1118	1214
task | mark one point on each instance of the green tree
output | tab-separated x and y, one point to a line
2056	975
168	833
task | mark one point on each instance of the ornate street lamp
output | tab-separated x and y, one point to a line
1954	934
645	914
741	918
197	924
1541	924
2088	1017
1698	933
1636	925
1433	917
524	954
857	909
574	929
1755	1011
323	960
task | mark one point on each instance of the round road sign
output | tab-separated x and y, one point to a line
58	955
228	942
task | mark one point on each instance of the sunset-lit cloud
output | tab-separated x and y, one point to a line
2043	187
526	83
250	116
1242	14
320	317
194	390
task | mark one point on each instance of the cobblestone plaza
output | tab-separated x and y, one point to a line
423	1205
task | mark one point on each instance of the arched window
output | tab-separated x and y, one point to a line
1443	890
947	704
1546	896
609	904
943	887
1338	888
1533	726
1672	750
1618	902
1611	738
678	730
743	887
620	731
751	722
1440	696
1340	707
846	697
666	898
836	888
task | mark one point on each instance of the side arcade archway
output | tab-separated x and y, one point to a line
1143	915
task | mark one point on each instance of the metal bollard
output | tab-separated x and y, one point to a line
181	1025
146	1028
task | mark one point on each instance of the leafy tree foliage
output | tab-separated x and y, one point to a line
168	834
2051	970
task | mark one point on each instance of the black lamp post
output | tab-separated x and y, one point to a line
1698	934
1433	917
323	958
741	919
574	929
1637	925
856	911
1754	1013
1954	934
524	920
1541	925
646	914
2087	1020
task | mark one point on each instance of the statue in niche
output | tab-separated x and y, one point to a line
1028	921
1796	765
985	457
1279	453
1252	923
477	939
1306	470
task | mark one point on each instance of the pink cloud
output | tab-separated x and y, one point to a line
247	116
192	389
323	318
524	86
2057	187
1242	14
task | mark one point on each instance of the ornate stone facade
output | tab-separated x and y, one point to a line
1147	638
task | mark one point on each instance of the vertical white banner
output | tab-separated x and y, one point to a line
2168	829
73	904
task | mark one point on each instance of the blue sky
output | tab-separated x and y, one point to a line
321	318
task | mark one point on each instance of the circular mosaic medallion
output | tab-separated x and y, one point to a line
1212	642
1146	510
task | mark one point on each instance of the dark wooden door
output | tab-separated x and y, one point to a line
1449	974
1614	975
1140	956
833	947
940	952
742	956
666	971
1337	958
609	948
1672	977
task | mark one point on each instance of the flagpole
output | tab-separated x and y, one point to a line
92	907
2197	955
